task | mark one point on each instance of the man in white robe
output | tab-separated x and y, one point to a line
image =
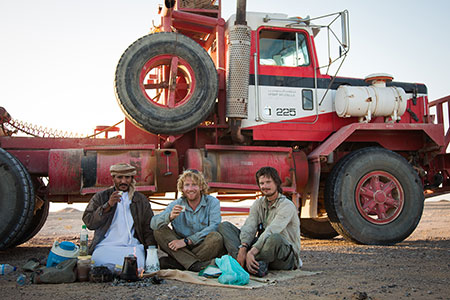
121	219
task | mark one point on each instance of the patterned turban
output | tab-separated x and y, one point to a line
122	169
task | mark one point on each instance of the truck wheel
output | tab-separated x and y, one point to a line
16	199
317	229
374	196
42	207
166	83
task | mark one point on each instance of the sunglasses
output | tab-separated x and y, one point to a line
193	171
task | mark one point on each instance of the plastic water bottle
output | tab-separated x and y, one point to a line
6	269
84	237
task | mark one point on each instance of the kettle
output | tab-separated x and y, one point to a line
129	269
152	262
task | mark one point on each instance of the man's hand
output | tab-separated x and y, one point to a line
252	264
115	197
176	244
176	210
242	254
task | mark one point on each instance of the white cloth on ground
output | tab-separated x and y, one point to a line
119	240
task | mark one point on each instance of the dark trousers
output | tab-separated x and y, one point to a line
276	250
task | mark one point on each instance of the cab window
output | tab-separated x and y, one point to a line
278	48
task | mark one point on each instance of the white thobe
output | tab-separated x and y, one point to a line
119	240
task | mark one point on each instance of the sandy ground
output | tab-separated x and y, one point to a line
418	268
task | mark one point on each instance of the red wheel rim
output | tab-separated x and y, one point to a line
167	81
379	197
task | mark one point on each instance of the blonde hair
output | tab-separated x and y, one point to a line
196	176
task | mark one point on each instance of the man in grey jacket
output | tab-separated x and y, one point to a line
121	219
275	219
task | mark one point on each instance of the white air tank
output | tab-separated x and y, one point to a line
374	100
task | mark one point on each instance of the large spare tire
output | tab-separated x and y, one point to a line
166	83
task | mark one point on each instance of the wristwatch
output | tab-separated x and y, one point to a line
244	246
186	241
106	205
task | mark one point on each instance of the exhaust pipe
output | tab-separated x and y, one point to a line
240	12
238	69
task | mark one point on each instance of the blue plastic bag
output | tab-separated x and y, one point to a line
232	272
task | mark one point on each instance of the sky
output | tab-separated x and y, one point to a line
58	57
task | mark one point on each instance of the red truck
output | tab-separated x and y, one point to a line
357	156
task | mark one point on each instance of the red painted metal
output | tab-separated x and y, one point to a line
36	143
36	161
167	81
440	116
182	5
195	18
154	168
379	197
248	148
135	135
143	160
234	167
166	171
122	147
301	170
244	210
433	131
106	130
64	171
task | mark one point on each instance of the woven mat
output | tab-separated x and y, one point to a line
255	282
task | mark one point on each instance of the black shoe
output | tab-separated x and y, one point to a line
199	265
168	262
263	269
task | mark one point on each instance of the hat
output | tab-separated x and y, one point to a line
122	169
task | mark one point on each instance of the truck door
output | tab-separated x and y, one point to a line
286	78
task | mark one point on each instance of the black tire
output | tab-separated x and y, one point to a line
317	229
395	206
40	214
16	199
197	99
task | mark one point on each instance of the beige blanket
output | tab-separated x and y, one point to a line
255	282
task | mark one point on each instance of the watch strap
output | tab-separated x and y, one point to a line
244	246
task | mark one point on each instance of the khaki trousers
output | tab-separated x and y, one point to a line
211	247
276	250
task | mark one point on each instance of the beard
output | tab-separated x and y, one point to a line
268	193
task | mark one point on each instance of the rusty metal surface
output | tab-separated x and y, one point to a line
36	161
166	170
64	167
143	160
234	167
81	171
